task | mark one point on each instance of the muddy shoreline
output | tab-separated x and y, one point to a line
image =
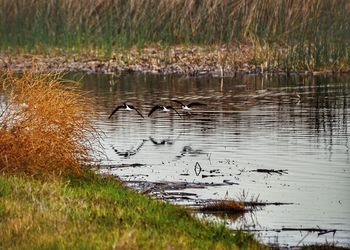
194	61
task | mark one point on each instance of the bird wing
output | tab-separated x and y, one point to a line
115	110
132	107
153	140
182	104
195	104
169	107
154	109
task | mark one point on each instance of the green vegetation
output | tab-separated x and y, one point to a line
289	35
93	212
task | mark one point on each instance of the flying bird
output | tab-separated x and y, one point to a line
126	107
189	106
162	108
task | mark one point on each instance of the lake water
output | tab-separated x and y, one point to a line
296	124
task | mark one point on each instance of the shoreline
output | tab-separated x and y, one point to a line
93	211
191	61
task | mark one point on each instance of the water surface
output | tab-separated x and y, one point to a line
292	123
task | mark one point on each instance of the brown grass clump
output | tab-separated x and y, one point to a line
45	126
229	206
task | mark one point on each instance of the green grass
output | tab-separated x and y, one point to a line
99	213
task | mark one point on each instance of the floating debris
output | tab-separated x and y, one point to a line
319	230
230	182
262	204
271	171
197	168
211	175
133	175
148	187
214	171
189	150
132	165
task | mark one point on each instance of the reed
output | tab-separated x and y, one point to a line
314	33
45	127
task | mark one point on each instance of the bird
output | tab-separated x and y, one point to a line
126	107
188	107
163	108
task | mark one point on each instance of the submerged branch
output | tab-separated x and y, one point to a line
271	171
319	230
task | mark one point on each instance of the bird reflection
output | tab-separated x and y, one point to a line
188	150
161	142
130	152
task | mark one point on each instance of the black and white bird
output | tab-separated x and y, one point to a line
188	107
162	108
126	107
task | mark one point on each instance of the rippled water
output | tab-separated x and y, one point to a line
296	124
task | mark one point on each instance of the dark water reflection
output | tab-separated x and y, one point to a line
298	124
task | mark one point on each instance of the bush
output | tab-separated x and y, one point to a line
45	126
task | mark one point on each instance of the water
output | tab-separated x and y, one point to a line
296	124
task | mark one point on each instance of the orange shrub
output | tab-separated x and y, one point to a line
45	126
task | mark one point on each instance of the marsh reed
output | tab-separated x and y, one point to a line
312	33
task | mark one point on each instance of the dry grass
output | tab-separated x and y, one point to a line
45	126
228	206
174	21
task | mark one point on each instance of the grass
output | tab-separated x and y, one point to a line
93	212
290	35
45	126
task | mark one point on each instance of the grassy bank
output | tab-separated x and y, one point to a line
292	35
98	213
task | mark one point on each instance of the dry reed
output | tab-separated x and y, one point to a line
228	206
45	126
287	34
173	21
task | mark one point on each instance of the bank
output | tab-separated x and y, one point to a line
194	60
95	212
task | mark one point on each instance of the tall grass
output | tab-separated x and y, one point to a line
45	127
317	30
